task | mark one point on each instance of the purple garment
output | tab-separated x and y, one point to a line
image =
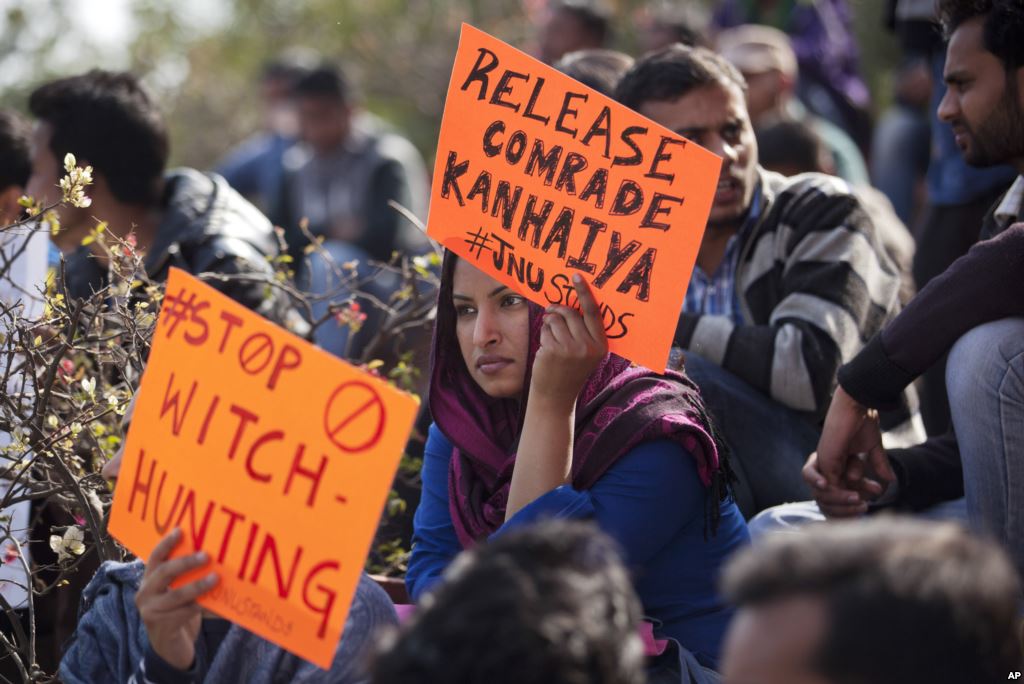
821	34
620	406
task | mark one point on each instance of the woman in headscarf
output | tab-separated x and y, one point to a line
533	418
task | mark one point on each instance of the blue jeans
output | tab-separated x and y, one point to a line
985	381
768	442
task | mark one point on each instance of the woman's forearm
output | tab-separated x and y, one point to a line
544	457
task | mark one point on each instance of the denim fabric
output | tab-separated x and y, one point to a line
768	442
985	379
791	517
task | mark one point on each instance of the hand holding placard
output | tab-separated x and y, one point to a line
274	457
539	177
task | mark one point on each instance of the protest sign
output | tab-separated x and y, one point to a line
539	177
270	454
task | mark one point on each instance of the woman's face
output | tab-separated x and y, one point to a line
493	328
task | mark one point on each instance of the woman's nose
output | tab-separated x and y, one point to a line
486	331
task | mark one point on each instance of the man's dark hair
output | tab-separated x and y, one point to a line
593	15
668	74
600	69
15	155
290	66
107	119
792	144
1003	27
326	81
904	600
551	604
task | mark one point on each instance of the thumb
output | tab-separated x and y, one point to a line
880	464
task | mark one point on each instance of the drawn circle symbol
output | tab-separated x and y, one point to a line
354	404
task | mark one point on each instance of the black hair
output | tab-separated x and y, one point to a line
15	153
548	604
593	15
326	81
688	22
904	600
793	144
290	66
669	73
1003	27
600	69
108	120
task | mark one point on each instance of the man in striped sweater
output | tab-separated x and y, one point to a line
791	280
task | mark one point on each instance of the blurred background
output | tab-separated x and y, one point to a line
203	57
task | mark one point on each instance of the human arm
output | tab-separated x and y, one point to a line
571	346
829	285
434	542
982	286
382	221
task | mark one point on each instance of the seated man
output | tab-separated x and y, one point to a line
134	628
790	278
552	603
887	602
975	310
183	218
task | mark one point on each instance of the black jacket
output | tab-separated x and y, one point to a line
205	227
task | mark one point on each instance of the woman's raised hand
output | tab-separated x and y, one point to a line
171	616
572	344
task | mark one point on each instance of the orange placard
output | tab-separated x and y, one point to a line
539	177
270	454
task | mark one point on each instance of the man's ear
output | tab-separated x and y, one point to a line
10	210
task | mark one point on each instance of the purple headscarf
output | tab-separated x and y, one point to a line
620	406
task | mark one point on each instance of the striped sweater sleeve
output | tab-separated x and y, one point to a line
819	285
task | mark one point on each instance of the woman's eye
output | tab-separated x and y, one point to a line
512	300
463	310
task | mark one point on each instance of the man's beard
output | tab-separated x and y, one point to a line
1000	137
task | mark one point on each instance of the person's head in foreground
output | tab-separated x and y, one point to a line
15	164
599	69
886	601
548	604
984	74
108	121
699	95
571	25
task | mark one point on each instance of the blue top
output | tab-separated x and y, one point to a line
651	501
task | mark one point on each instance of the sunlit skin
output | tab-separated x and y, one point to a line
493	329
715	117
775	643
983	104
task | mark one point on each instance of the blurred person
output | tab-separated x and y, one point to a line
340	179
663	23
534	419
180	218
769	66
23	261
597	69
821	35
974	311
254	168
549	604
887	601
572	25
792	148
133	627
790	277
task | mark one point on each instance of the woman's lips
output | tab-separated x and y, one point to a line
727	191
490	365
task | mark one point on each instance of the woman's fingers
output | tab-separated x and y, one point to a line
555	322
592	318
167	572
162	550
